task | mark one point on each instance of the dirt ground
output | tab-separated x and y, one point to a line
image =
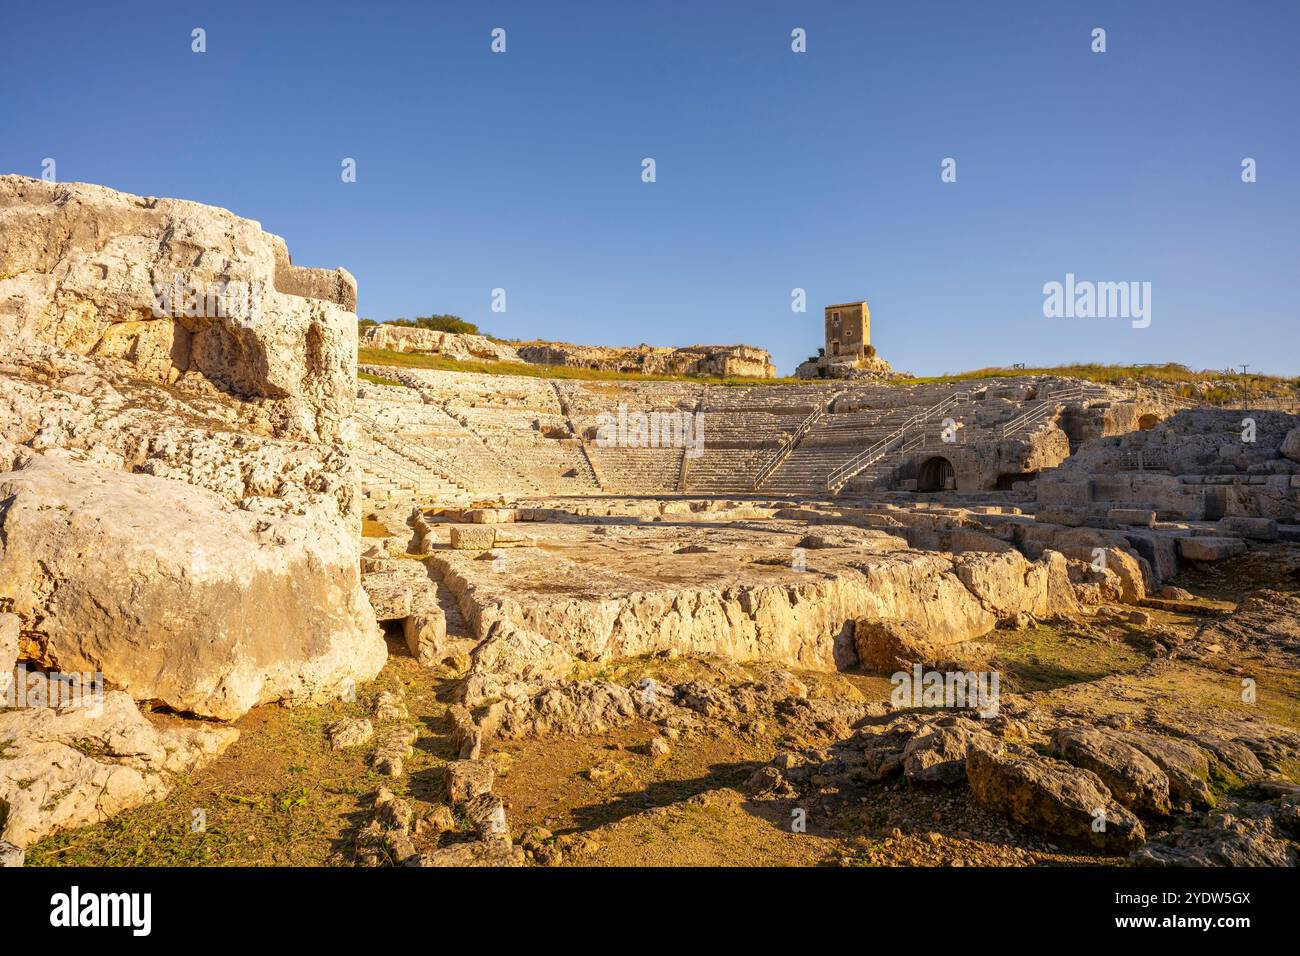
280	796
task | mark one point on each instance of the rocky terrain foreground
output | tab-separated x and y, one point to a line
432	619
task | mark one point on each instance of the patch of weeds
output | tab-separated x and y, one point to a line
90	747
1225	782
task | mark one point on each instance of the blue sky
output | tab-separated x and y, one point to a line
775	170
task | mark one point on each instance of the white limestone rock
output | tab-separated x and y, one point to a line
78	765
176	595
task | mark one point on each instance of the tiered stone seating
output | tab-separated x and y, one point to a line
638	470
496	435
484	433
748	429
387	475
724	470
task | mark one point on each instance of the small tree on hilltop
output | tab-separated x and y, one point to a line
447	323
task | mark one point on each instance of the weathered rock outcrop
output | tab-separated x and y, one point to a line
702	360
176	595
1212	839
402	338
65	768
1267	622
1050	796
1194	464
807	623
1132	776
178	501
184	293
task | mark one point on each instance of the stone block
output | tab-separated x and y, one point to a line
425	632
1065	494
1071	517
490	515
475	538
1241	526
1210	549
1133	516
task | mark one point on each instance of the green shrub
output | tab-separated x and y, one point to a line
438	323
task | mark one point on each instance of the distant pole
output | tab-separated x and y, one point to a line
1245	405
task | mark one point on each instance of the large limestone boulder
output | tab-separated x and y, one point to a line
1186	766
887	646
177	595
1004	582
1050	796
65	768
1009	585
1132	776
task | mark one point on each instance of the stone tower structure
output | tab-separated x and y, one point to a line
848	331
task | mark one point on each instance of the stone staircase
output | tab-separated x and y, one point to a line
865	445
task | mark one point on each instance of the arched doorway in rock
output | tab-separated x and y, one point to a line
1148	421
936	474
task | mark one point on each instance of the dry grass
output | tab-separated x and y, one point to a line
1224	386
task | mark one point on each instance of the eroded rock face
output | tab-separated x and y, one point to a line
111	275
65	768
400	338
179	506
743	360
808	624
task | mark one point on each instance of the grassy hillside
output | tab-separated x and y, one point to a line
1209	386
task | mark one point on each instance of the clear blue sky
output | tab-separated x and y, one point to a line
775	170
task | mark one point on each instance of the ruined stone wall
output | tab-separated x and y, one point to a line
1197	464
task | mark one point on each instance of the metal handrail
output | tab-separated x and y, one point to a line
1048	404
783	452
845	472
